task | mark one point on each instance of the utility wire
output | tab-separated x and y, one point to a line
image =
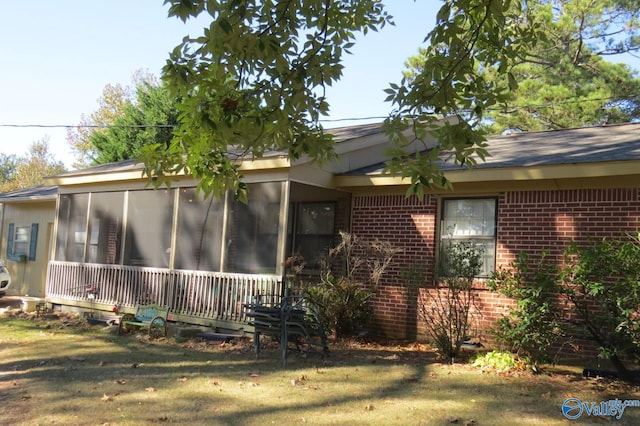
328	120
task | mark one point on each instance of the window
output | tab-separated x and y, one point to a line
22	241
474	220
314	231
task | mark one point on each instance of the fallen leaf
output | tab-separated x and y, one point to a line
368	407
451	419
106	398
121	382
182	379
254	375
150	389
469	422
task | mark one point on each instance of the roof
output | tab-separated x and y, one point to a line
37	193
620	142
553	154
568	146
340	136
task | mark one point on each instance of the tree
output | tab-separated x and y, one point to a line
254	81
30	170
8	166
127	117
111	105
564	80
149	119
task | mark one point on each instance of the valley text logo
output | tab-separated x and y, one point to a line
573	408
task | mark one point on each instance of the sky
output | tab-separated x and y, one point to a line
58	56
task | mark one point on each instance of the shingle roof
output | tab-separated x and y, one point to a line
30	194
553	147
340	134
568	146
620	142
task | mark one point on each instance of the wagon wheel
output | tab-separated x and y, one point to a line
158	327
124	328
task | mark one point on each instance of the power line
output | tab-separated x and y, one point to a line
89	126
328	120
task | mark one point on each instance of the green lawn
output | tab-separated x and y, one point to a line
54	372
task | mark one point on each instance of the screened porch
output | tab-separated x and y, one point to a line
204	257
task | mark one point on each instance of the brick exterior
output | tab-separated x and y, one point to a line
530	221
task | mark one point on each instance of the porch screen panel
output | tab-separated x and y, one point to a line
253	230
72	227
314	231
149	220
105	228
199	233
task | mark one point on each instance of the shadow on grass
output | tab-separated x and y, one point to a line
74	374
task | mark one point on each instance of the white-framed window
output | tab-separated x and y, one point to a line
473	220
22	241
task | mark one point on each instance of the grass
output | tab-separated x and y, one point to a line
65	372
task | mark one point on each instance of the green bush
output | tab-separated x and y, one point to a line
602	283
342	299
343	306
533	325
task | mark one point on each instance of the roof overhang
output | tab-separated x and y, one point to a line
510	176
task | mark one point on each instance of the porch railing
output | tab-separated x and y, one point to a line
215	296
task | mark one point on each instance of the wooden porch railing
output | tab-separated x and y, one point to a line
214	296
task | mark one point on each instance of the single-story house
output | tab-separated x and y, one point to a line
119	242
26	234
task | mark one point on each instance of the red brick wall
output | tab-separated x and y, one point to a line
530	221
534	221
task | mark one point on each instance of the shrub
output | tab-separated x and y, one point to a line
602	283
533	325
447	315
343	299
343	306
